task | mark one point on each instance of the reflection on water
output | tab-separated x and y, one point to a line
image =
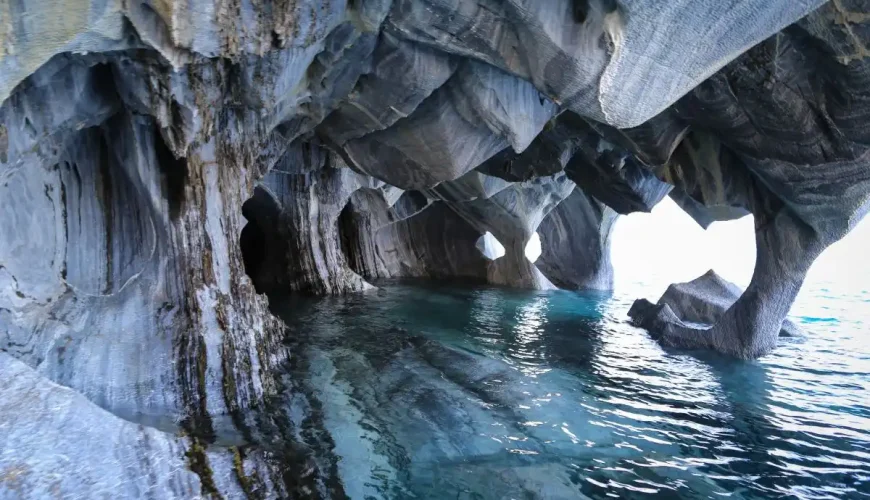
436	392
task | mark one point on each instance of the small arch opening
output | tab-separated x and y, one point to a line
261	251
533	248
489	246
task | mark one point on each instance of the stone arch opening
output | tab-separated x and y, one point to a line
351	228
667	246
532	250
490	247
262	251
252	242
174	172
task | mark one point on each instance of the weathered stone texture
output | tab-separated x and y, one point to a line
163	161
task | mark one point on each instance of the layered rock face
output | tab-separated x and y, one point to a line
161	162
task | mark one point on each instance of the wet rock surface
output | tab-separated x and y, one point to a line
162	162
699	303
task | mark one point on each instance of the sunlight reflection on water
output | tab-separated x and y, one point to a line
493	393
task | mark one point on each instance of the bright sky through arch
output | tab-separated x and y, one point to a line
667	246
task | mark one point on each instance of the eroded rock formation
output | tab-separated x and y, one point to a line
699	304
161	162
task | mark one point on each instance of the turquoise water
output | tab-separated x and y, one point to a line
462	392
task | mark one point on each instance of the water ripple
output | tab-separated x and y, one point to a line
436	392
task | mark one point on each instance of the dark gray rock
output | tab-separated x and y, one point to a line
548	154
415	247
711	182
699	303
615	176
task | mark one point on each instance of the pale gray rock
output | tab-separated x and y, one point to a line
575	239
700	302
435	143
513	215
47	431
510	107
152	152
403	74
478	112
95	278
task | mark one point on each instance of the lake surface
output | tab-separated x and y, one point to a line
461	392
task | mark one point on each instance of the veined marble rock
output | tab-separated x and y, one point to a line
699	303
575	238
162	161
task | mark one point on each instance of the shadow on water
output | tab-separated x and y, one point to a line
479	392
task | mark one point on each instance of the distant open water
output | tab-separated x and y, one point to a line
456	392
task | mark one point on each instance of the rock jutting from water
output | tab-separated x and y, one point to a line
162	162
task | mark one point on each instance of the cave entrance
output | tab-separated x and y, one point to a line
652	250
252	241
260	249
348	236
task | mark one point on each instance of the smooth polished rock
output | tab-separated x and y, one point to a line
806	190
614	175
700	302
609	61
47	431
304	251
513	215
575	238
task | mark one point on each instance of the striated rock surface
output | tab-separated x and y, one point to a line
305	238
163	161
698	303
575	239
46	427
513	215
